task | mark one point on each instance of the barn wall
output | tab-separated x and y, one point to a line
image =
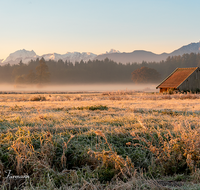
163	90
192	82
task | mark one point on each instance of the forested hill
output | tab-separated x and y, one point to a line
106	71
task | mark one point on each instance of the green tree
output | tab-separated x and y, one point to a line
42	72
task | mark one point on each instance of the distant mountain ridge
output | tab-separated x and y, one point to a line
190	48
19	55
140	55
70	56
26	56
135	56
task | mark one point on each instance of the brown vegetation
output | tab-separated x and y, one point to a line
87	141
145	75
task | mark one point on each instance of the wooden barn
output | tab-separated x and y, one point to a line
183	79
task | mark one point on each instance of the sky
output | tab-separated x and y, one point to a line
61	26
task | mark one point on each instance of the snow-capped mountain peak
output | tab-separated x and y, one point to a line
26	56
115	55
113	51
70	56
23	55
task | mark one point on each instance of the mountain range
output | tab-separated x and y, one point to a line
135	56
141	55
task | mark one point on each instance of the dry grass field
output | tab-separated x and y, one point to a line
110	140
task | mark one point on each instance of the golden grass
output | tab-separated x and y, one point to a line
39	137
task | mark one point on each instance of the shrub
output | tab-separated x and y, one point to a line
99	107
174	151
37	98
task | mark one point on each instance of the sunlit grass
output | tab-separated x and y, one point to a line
122	139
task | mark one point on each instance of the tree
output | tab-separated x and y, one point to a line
20	79
145	75
21	63
30	77
42	72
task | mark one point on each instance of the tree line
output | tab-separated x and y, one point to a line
92	71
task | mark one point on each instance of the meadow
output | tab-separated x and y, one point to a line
108	140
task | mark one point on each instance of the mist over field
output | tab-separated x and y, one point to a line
80	87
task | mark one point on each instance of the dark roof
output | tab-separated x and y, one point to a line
177	78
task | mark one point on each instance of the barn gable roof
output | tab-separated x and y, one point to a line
176	78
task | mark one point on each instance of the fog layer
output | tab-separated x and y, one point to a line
81	87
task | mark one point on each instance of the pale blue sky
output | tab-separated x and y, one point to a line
61	26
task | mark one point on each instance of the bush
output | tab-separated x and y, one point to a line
99	107
37	98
